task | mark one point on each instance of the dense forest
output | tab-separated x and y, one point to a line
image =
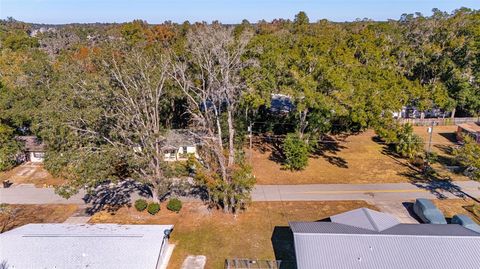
103	96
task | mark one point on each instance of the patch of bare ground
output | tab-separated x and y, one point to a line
31	174
25	214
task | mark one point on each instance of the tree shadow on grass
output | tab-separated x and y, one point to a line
327	149
283	247
452	137
266	143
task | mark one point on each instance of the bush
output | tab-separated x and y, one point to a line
153	208
409	145
174	205
476	210
296	152
140	204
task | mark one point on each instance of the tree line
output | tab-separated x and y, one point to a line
103	97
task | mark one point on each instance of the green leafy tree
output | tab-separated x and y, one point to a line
468	156
295	151
408	144
9	148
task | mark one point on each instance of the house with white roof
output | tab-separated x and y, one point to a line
92	246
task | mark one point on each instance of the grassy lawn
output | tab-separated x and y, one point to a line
356	159
219	236
31	174
451	207
37	214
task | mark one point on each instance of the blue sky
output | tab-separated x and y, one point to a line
227	11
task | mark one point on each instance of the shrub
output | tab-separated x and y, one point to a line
296	152
408	144
174	205
476	210
153	208
140	204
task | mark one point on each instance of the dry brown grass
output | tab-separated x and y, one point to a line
26	214
357	159
451	207
219	236
31	174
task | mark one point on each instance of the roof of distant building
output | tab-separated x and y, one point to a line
107	246
179	137
471	127
32	143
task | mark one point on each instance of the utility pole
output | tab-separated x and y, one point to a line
430	131
250	136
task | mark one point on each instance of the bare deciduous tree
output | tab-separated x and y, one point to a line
134	99
211	81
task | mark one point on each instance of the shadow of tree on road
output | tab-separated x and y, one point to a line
436	185
111	196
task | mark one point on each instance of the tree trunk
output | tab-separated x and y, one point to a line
155	194
231	142
454	110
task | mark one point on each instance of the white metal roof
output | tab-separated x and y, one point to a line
103	246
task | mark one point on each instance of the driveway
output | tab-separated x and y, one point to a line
31	173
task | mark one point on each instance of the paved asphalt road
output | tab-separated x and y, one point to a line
368	192
26	194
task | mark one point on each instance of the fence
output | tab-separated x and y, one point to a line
251	264
439	121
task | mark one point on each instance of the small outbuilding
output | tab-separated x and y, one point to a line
69	246
34	148
468	129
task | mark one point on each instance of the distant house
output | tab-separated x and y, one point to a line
69	246
470	129
365	238
34	148
281	103
179	145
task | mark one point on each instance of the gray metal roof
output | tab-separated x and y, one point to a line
179	137
400	229
106	246
366	218
367	243
317	251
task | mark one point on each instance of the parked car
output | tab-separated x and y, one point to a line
428	212
466	222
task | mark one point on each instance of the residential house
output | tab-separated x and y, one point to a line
470	129
365	238
69	246
281	104
179	145
34	148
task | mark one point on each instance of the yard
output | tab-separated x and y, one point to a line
451	207
219	236
25	214
30	174
356	159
